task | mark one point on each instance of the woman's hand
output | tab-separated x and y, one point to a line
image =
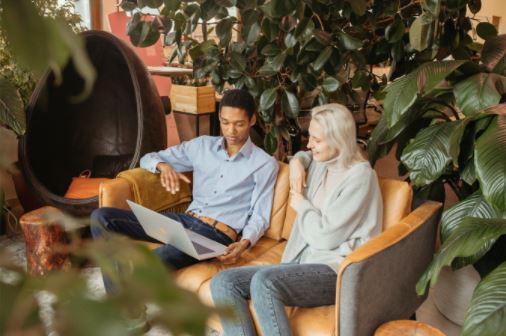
295	199
170	178
297	176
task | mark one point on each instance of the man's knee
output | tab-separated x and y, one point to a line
98	221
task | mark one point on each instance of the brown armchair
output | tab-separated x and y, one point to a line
376	282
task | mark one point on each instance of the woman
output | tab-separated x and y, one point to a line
338	210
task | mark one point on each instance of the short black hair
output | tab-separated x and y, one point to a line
239	98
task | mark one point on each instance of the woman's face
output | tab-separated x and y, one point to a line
318	145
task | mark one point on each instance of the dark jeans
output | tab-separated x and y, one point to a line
105	220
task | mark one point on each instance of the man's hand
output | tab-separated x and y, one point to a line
297	176
170	178
234	252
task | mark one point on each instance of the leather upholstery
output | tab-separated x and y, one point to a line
279	203
397	198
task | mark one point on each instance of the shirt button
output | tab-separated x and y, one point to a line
207	204
221	176
215	191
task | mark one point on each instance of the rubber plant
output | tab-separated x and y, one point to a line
448	121
293	54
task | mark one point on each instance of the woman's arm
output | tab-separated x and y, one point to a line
299	163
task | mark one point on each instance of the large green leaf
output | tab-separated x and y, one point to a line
322	58
432	150
493	54
349	42
487	311
268	98
403	92
290	104
465	241
141	32
486	30
490	162
359	7
473	206
12	113
271	141
253	33
224	31
479	92
418	32
395	31
330	84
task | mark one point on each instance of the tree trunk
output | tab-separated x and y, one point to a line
43	236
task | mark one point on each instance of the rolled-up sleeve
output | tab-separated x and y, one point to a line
179	157
261	202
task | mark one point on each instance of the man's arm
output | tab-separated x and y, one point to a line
170	163
179	157
258	221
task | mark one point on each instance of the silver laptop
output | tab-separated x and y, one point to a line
169	231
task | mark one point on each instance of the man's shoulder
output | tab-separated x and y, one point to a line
204	141
264	157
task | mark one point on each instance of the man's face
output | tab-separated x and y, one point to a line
235	125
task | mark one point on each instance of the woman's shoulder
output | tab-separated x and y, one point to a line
362	171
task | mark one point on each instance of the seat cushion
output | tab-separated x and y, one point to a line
192	277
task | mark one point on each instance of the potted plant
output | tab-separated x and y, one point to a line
448	121
292	54
192	95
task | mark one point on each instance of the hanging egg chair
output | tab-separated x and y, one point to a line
108	132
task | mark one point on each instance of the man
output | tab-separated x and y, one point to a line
233	183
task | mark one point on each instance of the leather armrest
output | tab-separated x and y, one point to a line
114	193
377	281
144	188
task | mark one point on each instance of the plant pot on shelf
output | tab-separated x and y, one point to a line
193	99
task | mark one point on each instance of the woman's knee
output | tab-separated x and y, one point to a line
264	282
226	284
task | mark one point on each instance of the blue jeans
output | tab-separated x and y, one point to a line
105	220
271	288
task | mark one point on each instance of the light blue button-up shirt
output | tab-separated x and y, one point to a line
236	190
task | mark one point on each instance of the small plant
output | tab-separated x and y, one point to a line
190	81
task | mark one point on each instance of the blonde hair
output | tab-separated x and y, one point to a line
339	131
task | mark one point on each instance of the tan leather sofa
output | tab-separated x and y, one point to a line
376	283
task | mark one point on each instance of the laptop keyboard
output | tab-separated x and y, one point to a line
201	249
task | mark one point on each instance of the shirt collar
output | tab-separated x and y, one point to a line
245	150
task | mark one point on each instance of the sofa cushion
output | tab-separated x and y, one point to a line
279	203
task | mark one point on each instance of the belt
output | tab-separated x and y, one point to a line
222	227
